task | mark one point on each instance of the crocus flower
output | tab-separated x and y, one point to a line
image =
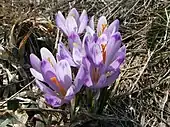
73	22
76	53
104	57
55	78
103	27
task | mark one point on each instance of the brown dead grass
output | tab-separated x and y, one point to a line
141	94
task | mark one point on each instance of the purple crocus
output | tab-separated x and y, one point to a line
103	27
73	22
105	54
55	78
76	53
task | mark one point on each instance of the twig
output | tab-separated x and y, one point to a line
17	93
57	38
131	8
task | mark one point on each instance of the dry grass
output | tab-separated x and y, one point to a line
141	94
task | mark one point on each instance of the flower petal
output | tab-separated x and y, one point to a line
101	82
113	27
121	52
101	26
78	53
89	30
83	21
48	72
63	53
113	77
89	42
55	83
73	12
35	62
73	39
96	54
117	62
47	55
91	23
70	93
79	79
71	25
64	73
87	69
60	22
53	100
36	74
44	88
103	39
112	47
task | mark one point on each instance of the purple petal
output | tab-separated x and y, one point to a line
83	22
63	72
89	30
113	77
101	26
48	72
79	79
96	54
71	25
112	47
121	52
103	39
113	27
73	38
88	81
35	62
70	93
91	23
101	82
73	12
87	69
46	66
60	22
117	62
47	55
44	88
36	74
63	53
89	43
53	100
78	53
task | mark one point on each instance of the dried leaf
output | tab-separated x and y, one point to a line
24	40
21	116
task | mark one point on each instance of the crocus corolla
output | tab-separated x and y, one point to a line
105	53
103	27
75	54
55	78
73	22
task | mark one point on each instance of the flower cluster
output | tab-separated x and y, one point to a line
97	56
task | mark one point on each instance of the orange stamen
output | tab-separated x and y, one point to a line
103	27
95	75
104	52
55	81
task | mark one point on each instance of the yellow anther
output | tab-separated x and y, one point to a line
73	15
75	44
49	60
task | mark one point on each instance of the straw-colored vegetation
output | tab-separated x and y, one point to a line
141	94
